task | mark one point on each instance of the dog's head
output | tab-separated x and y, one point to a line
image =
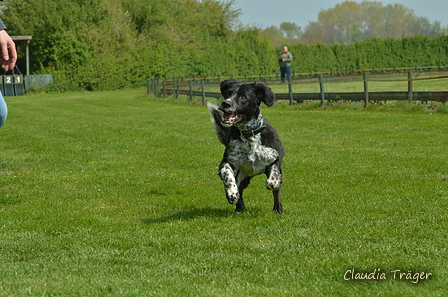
242	101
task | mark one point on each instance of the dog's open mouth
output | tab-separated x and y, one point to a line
230	119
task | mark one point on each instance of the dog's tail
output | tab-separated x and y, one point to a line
221	131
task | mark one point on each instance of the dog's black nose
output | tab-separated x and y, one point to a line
225	105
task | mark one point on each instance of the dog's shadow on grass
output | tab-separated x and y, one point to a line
190	214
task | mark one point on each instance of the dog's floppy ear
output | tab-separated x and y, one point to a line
264	94
226	84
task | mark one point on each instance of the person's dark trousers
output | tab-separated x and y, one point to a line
285	72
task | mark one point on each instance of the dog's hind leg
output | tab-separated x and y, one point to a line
278	208
240	207
243	181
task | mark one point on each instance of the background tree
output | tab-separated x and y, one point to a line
274	34
341	24
372	14
288	33
291	30
350	22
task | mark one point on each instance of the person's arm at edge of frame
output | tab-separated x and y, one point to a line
8	57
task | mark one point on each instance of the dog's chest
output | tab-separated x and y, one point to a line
250	156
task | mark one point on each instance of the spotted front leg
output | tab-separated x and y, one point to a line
274	181
228	177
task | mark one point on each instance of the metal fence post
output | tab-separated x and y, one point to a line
191	90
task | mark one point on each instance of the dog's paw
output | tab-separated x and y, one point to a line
278	208
274	182
233	196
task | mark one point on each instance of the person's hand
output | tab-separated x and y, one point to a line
8	56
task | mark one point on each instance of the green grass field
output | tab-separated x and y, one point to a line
117	194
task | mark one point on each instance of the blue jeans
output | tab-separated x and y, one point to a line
3	110
285	72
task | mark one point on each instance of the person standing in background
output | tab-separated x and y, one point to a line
8	59
285	64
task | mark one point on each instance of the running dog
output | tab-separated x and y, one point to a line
252	143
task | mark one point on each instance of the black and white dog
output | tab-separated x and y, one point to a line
252	144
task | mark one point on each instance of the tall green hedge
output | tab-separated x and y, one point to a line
373	53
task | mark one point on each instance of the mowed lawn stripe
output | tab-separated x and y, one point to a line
117	193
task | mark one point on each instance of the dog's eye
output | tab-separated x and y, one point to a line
243	98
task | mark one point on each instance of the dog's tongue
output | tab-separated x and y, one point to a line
228	117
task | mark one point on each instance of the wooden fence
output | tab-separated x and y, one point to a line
190	88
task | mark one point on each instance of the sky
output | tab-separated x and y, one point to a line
266	13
